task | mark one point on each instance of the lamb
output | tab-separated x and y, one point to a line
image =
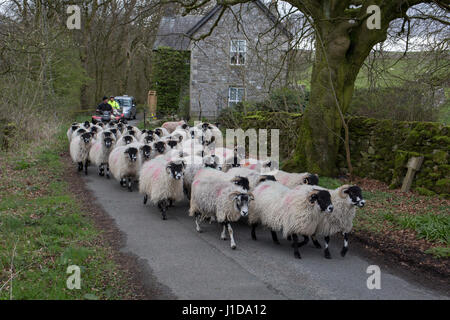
162	181
223	200
79	150
345	200
124	165
170	126
291	180
292	211
124	140
99	153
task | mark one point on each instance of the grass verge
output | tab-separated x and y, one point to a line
44	229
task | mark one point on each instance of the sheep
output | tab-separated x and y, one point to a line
86	125
124	140
158	148
95	130
223	200
78	132
292	211
148	137
345	200
79	150
171	126
162	181
193	165
71	130
161	132
291	180
99	153
124	165
228	158
253	177
115	131
193	147
261	166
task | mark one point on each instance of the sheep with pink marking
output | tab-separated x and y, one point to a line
161	180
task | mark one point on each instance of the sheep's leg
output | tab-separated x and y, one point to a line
170	203
107	170
80	166
186	193
327	251
163	207
345	247
230	232
100	170
289	238
197	222
274	237
145	199
254	225
296	252
86	167
316	242
304	242
129	184
223	236
122	182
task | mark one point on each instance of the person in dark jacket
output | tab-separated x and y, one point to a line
104	106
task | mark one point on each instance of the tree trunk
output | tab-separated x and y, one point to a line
332	84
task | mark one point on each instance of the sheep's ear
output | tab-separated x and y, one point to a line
180	139
233	195
313	197
251	196
168	167
183	163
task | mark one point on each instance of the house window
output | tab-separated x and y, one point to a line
235	95
238	49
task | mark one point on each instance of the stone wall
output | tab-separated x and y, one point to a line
211	71
379	149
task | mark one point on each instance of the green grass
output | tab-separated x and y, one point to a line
43	230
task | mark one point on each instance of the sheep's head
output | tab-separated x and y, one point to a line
311	179
108	141
184	126
241	201
148	139
101	124
86	137
75	127
322	199
160	146
132	133
114	131
80	131
94	129
144	131
242	182
132	153
87	124
146	151
176	169
129	128
353	195
172	143
211	161
159	132
107	134
265	177
128	139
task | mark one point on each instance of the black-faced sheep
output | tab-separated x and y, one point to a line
79	150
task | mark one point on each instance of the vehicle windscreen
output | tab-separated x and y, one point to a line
124	103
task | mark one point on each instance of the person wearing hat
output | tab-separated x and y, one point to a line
113	103
104	106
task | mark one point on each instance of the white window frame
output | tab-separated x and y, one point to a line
239	47
236	100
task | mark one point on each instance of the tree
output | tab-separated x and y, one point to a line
343	42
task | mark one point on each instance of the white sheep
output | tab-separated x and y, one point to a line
345	200
292	180
161	132
292	211
158	148
124	165
223	200
71	130
162	181
193	165
99	152
125	140
79	150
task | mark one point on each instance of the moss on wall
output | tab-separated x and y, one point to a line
380	149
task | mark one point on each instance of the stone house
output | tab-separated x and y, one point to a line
242	58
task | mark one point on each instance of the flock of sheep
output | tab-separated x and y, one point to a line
176	161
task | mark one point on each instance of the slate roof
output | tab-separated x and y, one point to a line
172	31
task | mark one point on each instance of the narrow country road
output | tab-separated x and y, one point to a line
189	265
